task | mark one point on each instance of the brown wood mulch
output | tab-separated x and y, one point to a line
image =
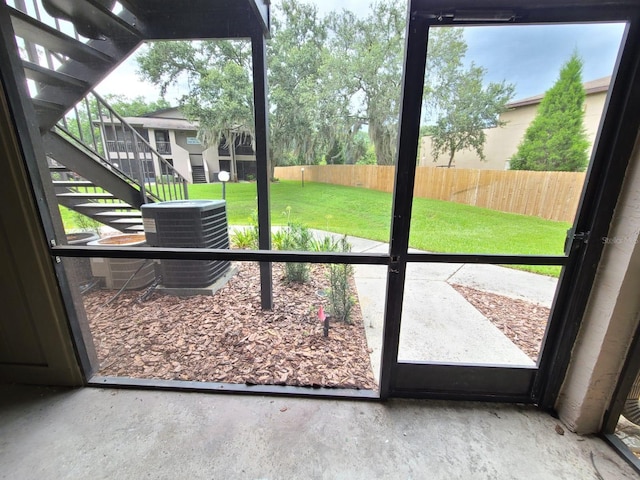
228	338
524	323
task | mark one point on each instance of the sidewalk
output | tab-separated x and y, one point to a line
438	324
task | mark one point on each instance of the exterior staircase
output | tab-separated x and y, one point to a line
62	67
198	174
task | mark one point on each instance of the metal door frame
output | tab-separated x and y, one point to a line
539	384
614	144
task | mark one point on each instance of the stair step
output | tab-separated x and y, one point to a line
58	168
95	195
133	221
70	183
36	32
105	215
48	106
135	228
105	206
198	174
51	77
96	19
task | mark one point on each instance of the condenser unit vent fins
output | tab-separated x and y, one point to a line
188	224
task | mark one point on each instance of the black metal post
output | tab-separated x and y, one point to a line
613	151
263	163
409	128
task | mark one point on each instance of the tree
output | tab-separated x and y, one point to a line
556	139
329	78
457	98
219	77
135	107
303	118
221	95
82	121
367	60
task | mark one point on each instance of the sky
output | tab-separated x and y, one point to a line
530	57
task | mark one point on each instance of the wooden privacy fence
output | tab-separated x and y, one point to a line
550	195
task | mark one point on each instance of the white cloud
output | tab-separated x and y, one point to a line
125	81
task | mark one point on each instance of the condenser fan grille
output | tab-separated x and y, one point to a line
188	224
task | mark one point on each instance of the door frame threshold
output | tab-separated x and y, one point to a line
328	393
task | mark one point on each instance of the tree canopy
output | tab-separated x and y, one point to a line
135	107
458	100
330	79
366	58
556	139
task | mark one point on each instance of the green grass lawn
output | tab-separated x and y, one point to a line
67	218
437	226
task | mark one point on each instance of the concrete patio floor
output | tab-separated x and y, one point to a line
94	433
101	433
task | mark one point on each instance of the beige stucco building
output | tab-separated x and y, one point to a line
176	139
502	142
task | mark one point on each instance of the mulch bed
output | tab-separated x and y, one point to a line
228	338
524	323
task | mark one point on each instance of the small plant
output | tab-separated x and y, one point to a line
277	239
247	237
324	244
340	298
297	237
328	218
244	238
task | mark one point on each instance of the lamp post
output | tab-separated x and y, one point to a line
223	176
302	171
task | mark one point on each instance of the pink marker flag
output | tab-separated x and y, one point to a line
321	314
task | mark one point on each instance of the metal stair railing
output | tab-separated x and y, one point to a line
92	119
96	126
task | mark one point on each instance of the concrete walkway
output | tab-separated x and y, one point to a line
438	324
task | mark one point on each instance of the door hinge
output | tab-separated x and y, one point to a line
581	237
575	238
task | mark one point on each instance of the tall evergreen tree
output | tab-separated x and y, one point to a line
556	139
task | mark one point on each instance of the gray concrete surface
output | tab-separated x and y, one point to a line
126	434
507	282
438	324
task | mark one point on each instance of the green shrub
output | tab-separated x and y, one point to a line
340	299
296	237
324	244
245	238
277	239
